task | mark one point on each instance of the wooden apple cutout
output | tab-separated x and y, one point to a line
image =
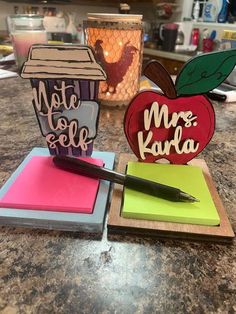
175	129
178	124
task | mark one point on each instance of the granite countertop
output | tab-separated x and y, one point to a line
59	272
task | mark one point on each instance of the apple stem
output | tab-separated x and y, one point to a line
155	72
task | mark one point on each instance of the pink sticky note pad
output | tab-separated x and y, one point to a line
43	186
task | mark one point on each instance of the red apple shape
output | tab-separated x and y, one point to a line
199	131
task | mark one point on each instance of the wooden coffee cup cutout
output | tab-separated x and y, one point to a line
65	81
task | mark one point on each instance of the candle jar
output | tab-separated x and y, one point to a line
117	41
26	30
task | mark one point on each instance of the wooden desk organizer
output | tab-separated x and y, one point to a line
118	224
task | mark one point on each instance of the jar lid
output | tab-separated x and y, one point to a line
106	17
27	20
26	16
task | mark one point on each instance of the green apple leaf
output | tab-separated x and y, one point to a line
205	72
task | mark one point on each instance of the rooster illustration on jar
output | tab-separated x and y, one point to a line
115	70
117	40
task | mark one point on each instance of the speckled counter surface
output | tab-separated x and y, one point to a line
57	272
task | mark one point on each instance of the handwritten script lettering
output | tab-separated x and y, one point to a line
56	103
159	116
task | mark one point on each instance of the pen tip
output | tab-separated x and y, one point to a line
188	198
194	199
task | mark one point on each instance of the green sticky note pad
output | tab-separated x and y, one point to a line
189	179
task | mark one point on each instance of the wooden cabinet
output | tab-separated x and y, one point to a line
172	66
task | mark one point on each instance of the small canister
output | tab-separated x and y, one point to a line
117	40
195	37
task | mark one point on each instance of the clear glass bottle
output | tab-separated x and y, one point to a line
196	10
26	30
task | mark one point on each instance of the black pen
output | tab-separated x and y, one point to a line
85	168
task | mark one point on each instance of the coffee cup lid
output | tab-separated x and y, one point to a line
62	61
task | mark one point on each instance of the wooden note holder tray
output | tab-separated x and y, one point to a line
118	224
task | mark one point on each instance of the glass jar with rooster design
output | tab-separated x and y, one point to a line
117	41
